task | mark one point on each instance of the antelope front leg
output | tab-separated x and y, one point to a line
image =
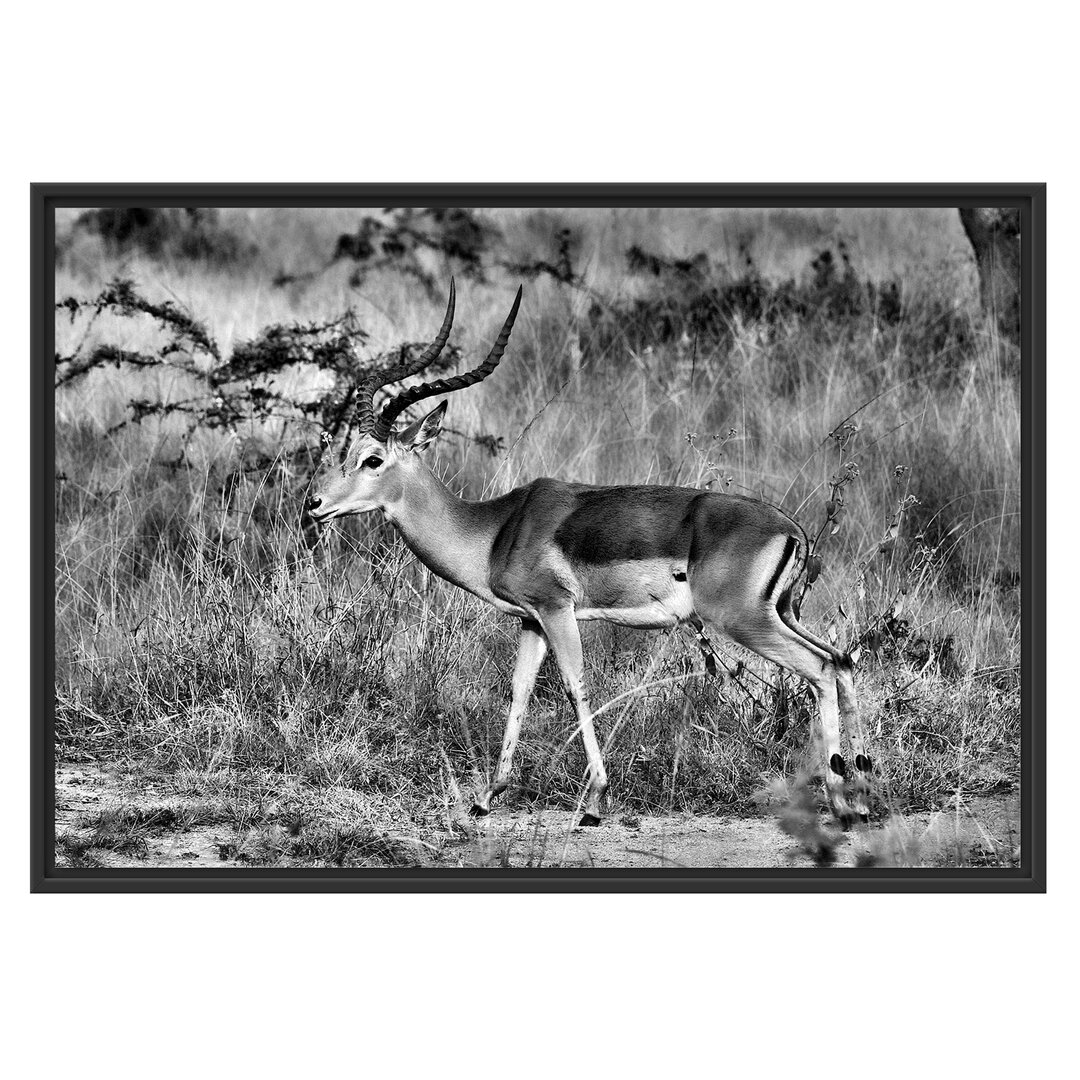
562	632
532	647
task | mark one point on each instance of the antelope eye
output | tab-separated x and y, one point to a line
371	463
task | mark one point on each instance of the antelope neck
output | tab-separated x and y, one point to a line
450	536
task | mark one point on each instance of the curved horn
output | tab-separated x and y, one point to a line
364	417
397	405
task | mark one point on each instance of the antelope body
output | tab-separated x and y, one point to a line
553	553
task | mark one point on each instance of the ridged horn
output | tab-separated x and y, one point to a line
364	416
398	404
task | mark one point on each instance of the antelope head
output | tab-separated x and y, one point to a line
374	473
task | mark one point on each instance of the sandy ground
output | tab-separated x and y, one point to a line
980	829
985	830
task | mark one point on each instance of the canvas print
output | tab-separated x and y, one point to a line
548	538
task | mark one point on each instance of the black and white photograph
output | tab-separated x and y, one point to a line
674	539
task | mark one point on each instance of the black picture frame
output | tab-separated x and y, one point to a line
1029	877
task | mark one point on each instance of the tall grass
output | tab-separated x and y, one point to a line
197	630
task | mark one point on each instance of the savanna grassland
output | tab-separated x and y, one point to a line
310	698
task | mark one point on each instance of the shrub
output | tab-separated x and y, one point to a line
177	233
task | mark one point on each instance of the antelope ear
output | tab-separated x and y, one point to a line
421	432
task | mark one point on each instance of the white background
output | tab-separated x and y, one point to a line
801	985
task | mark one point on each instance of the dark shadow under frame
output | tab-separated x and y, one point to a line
1030	876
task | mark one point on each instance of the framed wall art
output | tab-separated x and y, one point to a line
538	538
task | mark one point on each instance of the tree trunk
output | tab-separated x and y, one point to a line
994	233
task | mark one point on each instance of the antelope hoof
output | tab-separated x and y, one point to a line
588	820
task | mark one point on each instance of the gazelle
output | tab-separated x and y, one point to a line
553	553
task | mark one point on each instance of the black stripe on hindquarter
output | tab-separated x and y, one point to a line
789	548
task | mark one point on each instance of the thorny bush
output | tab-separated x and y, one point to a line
227	391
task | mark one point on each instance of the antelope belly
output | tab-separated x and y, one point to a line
649	594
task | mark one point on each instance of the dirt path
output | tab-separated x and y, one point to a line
549	839
981	831
153	828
